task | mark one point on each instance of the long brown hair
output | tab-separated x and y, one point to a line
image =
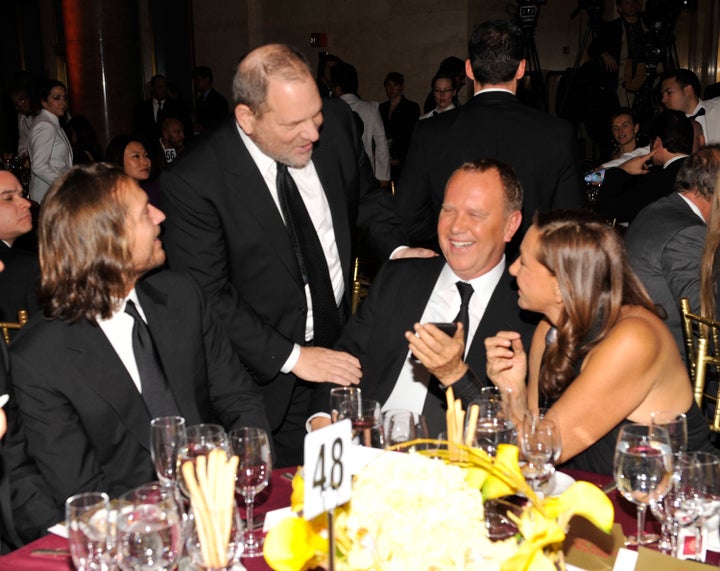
85	255
709	265
588	259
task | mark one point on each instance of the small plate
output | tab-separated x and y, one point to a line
558	483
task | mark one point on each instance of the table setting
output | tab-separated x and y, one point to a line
470	500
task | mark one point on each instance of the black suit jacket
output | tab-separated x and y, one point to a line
144	123
396	301
623	195
491	125
18	282
399	128
211	109
86	424
225	229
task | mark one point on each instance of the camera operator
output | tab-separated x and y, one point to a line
616	42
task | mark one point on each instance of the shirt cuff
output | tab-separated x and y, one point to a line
308	426
396	250
292	360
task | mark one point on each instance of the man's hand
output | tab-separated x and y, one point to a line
637	165
441	354
321	365
319	422
413	253
609	62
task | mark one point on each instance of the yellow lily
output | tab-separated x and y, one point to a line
292	544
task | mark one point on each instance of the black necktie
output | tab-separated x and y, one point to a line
700	113
466	291
311	258
155	390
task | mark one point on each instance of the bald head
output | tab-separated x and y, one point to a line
271	61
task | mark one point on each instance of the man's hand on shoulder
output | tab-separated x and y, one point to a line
321	365
413	253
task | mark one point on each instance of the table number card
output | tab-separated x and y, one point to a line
327	473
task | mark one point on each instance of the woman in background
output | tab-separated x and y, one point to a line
49	147
131	155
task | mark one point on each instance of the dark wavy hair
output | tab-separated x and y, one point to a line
588	259
85	251
496	49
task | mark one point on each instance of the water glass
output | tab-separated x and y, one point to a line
676	425
709	466
540	444
404	425
491	431
149	529
201	440
167	438
643	471
89	530
340	395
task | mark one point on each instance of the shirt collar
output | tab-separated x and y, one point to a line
448	277
132	296
489	89
264	163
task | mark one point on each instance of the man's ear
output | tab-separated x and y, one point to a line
512	225
468	70
520	72
246	118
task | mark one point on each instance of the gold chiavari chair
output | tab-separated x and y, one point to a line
6	326
702	350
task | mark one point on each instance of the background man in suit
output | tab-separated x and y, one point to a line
665	241
234	216
479	216
493	124
18	281
211	107
627	189
116	347
345	86
149	113
680	91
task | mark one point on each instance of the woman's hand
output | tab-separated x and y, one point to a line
506	360
441	354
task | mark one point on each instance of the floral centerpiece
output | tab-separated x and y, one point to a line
413	512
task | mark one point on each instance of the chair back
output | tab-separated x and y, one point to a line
6	326
703	357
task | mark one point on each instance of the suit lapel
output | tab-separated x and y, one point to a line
252	195
102	371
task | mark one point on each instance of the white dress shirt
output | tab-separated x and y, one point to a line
118	329
318	208
442	306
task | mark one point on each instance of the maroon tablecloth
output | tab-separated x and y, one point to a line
276	496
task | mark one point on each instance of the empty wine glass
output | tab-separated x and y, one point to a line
252	447
404	426
643	470
167	438
709	466
89	530
201	440
540	444
340	395
676	425
683	503
367	422
149	529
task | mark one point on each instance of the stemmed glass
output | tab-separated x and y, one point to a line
709	466
676	425
541	446
167	438
643	470
149	531
683	503
367	422
252	447
404	426
340	395
201	440
89	530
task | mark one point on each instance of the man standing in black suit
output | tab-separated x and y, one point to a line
479	216
211	107
279	277
118	345
629	188
493	124
149	113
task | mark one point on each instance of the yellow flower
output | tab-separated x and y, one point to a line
292	544
506	477
585	499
